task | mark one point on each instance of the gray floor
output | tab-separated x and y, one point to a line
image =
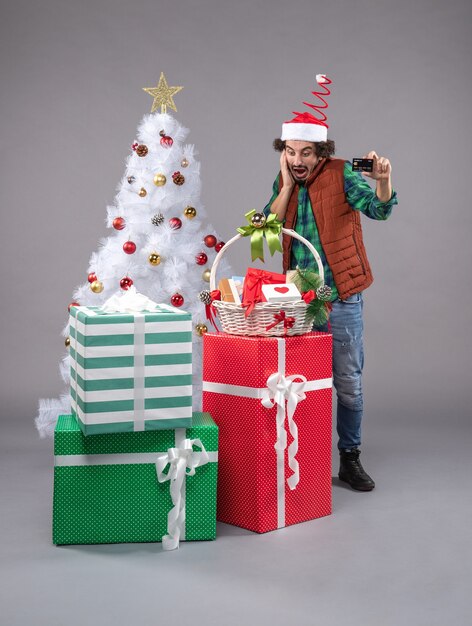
400	555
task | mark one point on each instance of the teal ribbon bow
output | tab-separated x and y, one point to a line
270	230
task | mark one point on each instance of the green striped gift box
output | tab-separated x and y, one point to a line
131	371
106	488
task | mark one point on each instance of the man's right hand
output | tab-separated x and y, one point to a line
280	204
287	179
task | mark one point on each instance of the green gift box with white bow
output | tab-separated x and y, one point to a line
130	370
137	486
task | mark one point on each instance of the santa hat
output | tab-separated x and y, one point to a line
305	126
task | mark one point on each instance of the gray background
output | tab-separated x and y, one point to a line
71	100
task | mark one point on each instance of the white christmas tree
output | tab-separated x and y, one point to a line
159	242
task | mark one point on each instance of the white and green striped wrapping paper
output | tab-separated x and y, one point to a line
131	371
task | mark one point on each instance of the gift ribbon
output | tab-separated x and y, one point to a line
129	301
73	344
283	390
210	309
294	391
281	316
125	458
270	230
138	383
308	296
252	290
182	462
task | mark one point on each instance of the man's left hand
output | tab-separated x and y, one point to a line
382	169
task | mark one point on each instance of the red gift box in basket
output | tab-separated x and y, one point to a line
265	318
252	290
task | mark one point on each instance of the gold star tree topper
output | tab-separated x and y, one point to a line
162	95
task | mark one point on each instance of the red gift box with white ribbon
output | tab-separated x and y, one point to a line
271	399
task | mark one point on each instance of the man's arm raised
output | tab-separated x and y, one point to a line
382	174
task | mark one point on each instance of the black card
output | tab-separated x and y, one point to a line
362	165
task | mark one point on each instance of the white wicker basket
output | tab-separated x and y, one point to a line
232	315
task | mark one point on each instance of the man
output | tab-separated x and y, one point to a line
321	198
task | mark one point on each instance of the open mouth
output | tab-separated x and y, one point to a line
300	172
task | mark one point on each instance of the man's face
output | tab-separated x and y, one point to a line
301	158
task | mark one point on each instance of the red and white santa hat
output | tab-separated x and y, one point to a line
305	126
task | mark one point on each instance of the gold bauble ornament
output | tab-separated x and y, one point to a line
142	192
67	342
201	329
206	275
190	212
258	220
96	286
154	258
184	162
159	180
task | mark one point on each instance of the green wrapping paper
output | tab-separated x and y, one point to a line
131	371
106	488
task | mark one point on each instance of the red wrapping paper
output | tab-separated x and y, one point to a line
247	473
252	288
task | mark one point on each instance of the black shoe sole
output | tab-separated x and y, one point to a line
357	487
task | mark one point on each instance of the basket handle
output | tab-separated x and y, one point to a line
286	231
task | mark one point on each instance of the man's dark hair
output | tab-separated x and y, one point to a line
323	149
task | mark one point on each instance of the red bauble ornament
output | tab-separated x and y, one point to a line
175	223
177	300
92	277
129	247
119	223
219	245
201	258
126	282
166	140
72	304
210	241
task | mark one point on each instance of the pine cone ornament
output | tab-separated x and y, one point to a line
142	150
205	297
324	293
178	178
157	219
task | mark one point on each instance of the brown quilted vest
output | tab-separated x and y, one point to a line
339	228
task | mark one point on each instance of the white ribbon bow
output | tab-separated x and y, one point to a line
182	462
281	389
130	301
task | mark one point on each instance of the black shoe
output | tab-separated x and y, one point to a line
352	472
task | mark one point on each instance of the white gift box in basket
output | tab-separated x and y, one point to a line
233	316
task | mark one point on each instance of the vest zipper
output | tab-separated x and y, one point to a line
360	261
357	253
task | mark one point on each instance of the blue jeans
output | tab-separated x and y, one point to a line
348	360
